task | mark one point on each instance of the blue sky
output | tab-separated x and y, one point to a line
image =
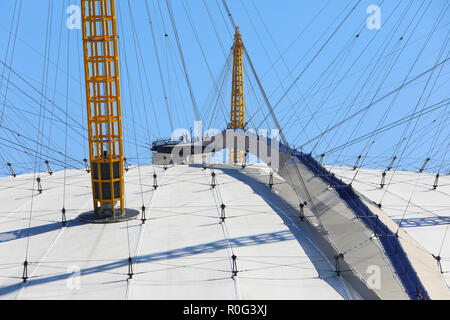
282	37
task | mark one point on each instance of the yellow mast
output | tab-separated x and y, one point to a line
237	93
101	67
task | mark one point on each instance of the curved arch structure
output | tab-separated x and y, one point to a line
352	231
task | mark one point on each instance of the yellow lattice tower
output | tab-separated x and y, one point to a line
237	94
101	66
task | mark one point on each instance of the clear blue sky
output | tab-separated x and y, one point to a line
282	37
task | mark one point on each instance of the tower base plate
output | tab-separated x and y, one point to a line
93	217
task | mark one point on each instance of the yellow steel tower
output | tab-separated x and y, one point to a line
237	93
101	67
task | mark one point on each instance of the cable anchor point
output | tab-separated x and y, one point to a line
86	165
130	268
222	212
391	165
271	180
436	180
143	215
63	217
11	170
165	167
235	269
383	180
438	260
357	162
25	271
338	266
244	160
49	170
39	185
213	179
302	211
321	158
155	182
424	165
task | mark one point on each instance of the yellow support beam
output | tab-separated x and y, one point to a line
101	66
237	94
